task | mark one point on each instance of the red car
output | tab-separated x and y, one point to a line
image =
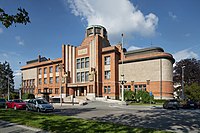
16	104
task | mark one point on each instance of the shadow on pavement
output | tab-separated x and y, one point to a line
171	120
72	111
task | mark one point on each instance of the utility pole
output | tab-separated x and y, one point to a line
183	96
122	73
60	66
8	87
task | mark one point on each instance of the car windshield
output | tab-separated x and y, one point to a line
2	100
42	102
18	101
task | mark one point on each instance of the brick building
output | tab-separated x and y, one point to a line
94	69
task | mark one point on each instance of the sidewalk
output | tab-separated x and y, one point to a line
7	127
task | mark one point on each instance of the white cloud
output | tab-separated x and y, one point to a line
17	73
117	16
172	15
184	54
1	30
19	40
133	48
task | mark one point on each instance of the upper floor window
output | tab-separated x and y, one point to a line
57	79
87	62
40	71
78	76
82	76
107	60
107	74
45	70
78	64
51	80
82	63
57	68
40	81
45	80
87	76
50	69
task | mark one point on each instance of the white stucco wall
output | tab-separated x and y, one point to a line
30	74
147	70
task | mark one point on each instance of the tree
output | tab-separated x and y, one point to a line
193	92
6	74
21	17
191	71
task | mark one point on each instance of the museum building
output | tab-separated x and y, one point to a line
96	69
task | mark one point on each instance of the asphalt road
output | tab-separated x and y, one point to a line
186	121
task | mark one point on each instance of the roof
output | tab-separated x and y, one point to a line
144	50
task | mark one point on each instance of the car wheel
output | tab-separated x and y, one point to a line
15	108
38	109
27	109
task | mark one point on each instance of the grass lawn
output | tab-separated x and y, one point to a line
66	124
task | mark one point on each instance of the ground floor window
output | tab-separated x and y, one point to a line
140	87
39	91
107	89
56	90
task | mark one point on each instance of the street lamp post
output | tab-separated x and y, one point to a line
122	73
8	87
60	66
182	68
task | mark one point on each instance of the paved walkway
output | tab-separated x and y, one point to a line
6	127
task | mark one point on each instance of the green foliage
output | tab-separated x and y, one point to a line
28	96
193	92
139	96
6	74
128	95
21	17
191	71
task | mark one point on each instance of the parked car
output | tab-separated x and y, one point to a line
190	105
171	104
39	105
2	102
16	104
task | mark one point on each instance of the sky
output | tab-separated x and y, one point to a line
171	24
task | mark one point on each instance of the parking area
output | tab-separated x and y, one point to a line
183	120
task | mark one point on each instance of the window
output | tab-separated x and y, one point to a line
50	90
107	60
78	78
78	64
57	68
107	74
40	81
51	80
82	62
82	76
45	70
105	88
40	71
140	87
45	80
87	62
56	90
108	89
39	91
50	69
87	76
57	79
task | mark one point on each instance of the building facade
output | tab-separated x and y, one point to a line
94	69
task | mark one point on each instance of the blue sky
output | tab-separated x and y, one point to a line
172	25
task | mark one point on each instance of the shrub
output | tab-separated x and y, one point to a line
128	95
28	96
